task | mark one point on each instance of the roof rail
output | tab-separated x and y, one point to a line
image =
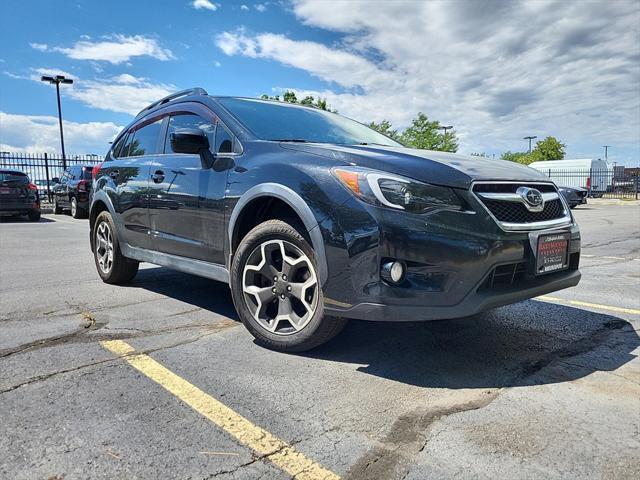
173	96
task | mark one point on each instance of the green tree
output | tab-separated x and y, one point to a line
308	100
424	134
519	157
549	149
291	97
385	128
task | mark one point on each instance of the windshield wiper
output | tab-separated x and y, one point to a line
297	140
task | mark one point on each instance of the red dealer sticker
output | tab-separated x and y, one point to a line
552	254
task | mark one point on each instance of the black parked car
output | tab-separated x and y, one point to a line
313	218
574	196
72	191
18	196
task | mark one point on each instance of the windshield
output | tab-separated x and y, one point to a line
283	122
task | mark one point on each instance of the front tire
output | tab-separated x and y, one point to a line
57	209
276	289
113	267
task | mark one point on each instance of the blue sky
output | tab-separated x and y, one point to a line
496	70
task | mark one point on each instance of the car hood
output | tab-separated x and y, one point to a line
438	168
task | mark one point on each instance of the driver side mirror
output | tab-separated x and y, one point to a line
192	140
55	180
189	140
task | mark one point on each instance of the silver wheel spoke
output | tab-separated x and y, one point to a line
104	247
299	290
280	287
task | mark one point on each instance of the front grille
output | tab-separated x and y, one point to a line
513	212
511	187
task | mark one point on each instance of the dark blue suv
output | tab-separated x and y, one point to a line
313	218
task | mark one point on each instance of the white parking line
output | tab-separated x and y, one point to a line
609	257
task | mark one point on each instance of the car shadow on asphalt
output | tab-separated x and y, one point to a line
197	291
528	343
24	219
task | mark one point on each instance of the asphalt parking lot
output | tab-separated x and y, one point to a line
159	380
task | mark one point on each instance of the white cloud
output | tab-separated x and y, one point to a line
39	134
122	93
217	64
204	4
344	68
42	47
244	7
116	49
261	7
495	70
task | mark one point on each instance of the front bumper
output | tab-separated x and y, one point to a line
450	258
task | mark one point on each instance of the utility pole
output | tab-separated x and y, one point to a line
57	80
530	138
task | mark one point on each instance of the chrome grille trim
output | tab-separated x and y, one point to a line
564	220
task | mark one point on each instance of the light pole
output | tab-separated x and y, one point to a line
445	128
57	80
530	138
606	151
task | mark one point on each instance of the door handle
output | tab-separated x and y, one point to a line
158	176
114	174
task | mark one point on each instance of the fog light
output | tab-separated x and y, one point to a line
393	271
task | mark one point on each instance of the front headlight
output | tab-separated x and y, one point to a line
394	191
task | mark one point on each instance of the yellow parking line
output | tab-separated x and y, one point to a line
578	303
259	440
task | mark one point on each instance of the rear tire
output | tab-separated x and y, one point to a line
112	266
34	215
286	314
76	210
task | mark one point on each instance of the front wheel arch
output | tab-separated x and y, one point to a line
292	200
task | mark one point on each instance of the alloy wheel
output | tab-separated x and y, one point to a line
280	287
74	207
104	247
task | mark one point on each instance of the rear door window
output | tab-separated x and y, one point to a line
145	140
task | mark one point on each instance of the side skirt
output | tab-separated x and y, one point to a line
182	264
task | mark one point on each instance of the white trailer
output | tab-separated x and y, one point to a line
593	174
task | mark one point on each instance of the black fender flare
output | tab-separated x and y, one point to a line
297	203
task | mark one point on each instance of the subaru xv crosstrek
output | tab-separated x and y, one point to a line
313	218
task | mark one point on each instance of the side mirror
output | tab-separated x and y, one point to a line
189	140
55	180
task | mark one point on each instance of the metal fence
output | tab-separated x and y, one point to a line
42	168
616	182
